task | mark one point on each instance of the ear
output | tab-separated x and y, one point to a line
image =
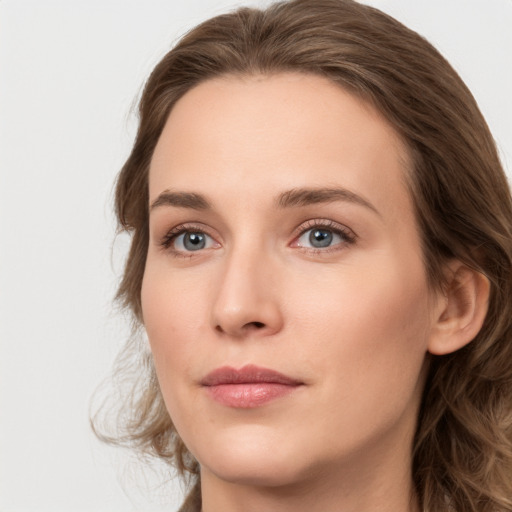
461	309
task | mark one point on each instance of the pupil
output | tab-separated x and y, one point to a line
320	238
194	241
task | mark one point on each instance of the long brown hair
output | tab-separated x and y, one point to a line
462	457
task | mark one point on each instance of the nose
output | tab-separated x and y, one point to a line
247	299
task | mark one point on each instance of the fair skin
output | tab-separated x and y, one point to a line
327	288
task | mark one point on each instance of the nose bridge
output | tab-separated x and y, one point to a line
247	300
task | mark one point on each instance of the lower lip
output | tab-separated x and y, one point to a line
248	395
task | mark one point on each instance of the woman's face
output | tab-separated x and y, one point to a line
282	237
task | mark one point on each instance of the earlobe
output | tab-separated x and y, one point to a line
461	310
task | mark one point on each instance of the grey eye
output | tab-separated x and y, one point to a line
192	241
320	238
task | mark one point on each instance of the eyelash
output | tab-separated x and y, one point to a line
170	237
348	236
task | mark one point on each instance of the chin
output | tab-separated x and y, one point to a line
253	460
261	473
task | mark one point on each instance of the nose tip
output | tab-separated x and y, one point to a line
245	305
248	319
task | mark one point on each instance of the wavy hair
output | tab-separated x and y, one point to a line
462	455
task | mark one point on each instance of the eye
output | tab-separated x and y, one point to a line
324	235
182	240
192	241
319	238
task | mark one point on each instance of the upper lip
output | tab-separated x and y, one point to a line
249	374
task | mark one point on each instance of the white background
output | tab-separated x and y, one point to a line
69	73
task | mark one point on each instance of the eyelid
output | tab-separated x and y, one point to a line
170	235
165	242
347	233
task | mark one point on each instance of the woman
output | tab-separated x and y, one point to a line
321	259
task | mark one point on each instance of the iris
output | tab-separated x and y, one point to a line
320	238
194	241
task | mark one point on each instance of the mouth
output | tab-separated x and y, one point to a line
247	387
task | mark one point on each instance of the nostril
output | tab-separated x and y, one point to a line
238	330
247	327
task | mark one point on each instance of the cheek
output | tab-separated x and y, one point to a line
368	331
173	315
367	343
172	319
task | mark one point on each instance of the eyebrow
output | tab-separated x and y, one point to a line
306	196
297	197
181	200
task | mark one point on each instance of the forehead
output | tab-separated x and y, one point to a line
256	134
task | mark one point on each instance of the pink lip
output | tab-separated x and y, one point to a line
248	387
